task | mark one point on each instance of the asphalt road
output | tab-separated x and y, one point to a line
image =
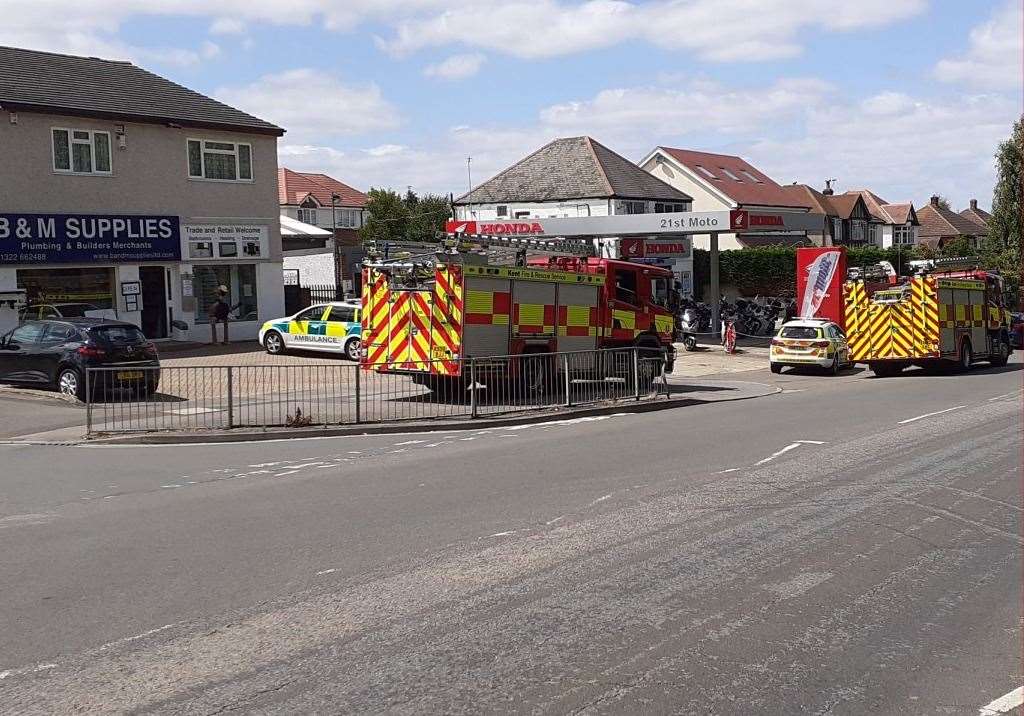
830	549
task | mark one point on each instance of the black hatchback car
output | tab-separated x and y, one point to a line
57	352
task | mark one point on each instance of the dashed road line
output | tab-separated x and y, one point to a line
928	415
1004	704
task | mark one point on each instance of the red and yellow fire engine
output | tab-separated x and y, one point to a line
953	313
427	316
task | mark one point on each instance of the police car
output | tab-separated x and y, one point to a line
331	327
810	342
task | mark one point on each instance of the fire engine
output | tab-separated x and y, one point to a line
951	313
427	315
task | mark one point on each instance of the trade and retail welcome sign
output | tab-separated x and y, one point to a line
88	238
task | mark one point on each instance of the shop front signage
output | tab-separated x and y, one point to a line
88	238
653	248
206	242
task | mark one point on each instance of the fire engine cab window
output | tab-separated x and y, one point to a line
625	286
659	291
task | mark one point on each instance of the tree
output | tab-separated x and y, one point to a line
428	217
1002	247
944	203
387	216
956	247
409	218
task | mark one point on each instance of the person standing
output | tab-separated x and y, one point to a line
218	312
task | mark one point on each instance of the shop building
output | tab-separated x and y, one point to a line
580	177
125	195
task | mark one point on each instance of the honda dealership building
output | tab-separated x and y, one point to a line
125	195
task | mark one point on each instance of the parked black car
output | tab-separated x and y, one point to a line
56	353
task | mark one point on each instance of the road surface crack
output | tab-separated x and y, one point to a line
243	702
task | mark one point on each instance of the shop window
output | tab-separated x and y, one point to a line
240	281
67	292
219	161
81	151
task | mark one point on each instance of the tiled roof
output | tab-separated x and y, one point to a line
293	188
978	216
761	190
572	168
939	222
883	211
845	204
91	87
811	198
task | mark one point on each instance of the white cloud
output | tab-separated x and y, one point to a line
699	107
309	103
227	26
456	67
909	154
993	57
723	30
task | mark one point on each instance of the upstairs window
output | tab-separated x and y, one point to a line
81	151
634	207
665	208
219	161
750	176
706	172
502	211
730	174
308	216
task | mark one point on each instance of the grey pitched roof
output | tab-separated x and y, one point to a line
88	86
572	168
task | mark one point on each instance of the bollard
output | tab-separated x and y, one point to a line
231	397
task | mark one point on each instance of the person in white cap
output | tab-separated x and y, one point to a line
218	312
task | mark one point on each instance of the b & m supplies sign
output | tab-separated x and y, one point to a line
88	238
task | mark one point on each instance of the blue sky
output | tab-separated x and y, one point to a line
906	97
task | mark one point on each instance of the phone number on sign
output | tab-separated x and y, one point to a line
22	258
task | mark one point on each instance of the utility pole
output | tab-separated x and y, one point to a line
469	172
338	290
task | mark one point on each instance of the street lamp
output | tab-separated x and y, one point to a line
336	248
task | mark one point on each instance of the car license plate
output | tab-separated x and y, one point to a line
129	374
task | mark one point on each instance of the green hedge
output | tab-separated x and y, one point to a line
771	270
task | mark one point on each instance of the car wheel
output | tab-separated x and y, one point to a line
776	368
274	343
835	368
69	382
352	349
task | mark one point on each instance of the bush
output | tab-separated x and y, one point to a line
771	270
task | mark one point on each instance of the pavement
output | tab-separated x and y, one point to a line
265	388
848	545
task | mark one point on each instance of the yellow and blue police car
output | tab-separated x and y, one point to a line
333	327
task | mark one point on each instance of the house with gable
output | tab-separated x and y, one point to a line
722	182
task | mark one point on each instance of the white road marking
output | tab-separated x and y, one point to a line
500	534
326	571
128	639
557	519
467	439
928	415
1005	395
791	446
1003	704
286	472
410	442
602	498
26	670
170	487
731	469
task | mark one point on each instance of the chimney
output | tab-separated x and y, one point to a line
935	201
828	191
974	204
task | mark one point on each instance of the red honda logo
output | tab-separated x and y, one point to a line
506	228
631	248
739	220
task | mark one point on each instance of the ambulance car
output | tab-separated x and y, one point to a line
329	327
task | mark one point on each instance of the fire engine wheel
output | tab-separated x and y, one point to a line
535	376
1001	355
963	363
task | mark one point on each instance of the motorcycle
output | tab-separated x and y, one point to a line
689	326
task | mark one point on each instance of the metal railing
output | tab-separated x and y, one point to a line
120	400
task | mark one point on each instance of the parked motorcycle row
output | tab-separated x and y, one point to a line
758	316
